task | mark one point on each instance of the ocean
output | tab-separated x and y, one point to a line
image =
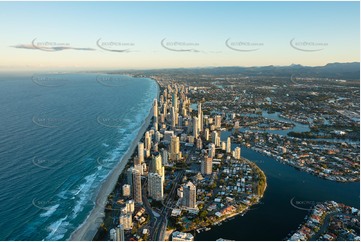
60	136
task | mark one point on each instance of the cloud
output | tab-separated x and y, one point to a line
50	48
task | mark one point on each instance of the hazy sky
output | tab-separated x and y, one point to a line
64	35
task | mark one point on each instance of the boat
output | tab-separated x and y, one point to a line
207	229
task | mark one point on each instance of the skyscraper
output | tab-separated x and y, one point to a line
139	167
129	205
147	141
206	134
130	176
211	150
200	117
215	138
126	190
218	121
175	101
237	153
157	137
137	187
164	153
199	144
189	195
195	127
126	221
119	233
155	186
141	152
175	153
206	165
229	144
174	121
156	165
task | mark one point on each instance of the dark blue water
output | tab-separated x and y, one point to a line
60	136
275	216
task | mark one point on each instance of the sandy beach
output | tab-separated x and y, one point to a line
89	228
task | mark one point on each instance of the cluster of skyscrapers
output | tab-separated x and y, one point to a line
173	125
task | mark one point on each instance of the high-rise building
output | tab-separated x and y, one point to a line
229	144
126	190
200	117
206	165
189	195
139	167
126	221
195	127
155	108
129	205
164	153
175	101
218	142
215	138
157	137
148	141
156	165
155	123
184	112
175	153
237	153
141	152
218	121
223	145
206	134
165	108
155	186
173	116
199	144
211	150
113	235
130	176
119	233
137	187
180	121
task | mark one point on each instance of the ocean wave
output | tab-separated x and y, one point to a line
57	229
50	211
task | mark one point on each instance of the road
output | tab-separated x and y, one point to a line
162	222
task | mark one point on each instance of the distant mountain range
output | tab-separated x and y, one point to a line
346	71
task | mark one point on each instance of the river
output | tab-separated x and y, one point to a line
275	217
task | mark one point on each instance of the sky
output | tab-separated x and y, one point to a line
146	35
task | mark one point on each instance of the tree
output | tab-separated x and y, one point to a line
203	214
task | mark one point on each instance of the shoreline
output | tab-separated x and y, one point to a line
88	229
